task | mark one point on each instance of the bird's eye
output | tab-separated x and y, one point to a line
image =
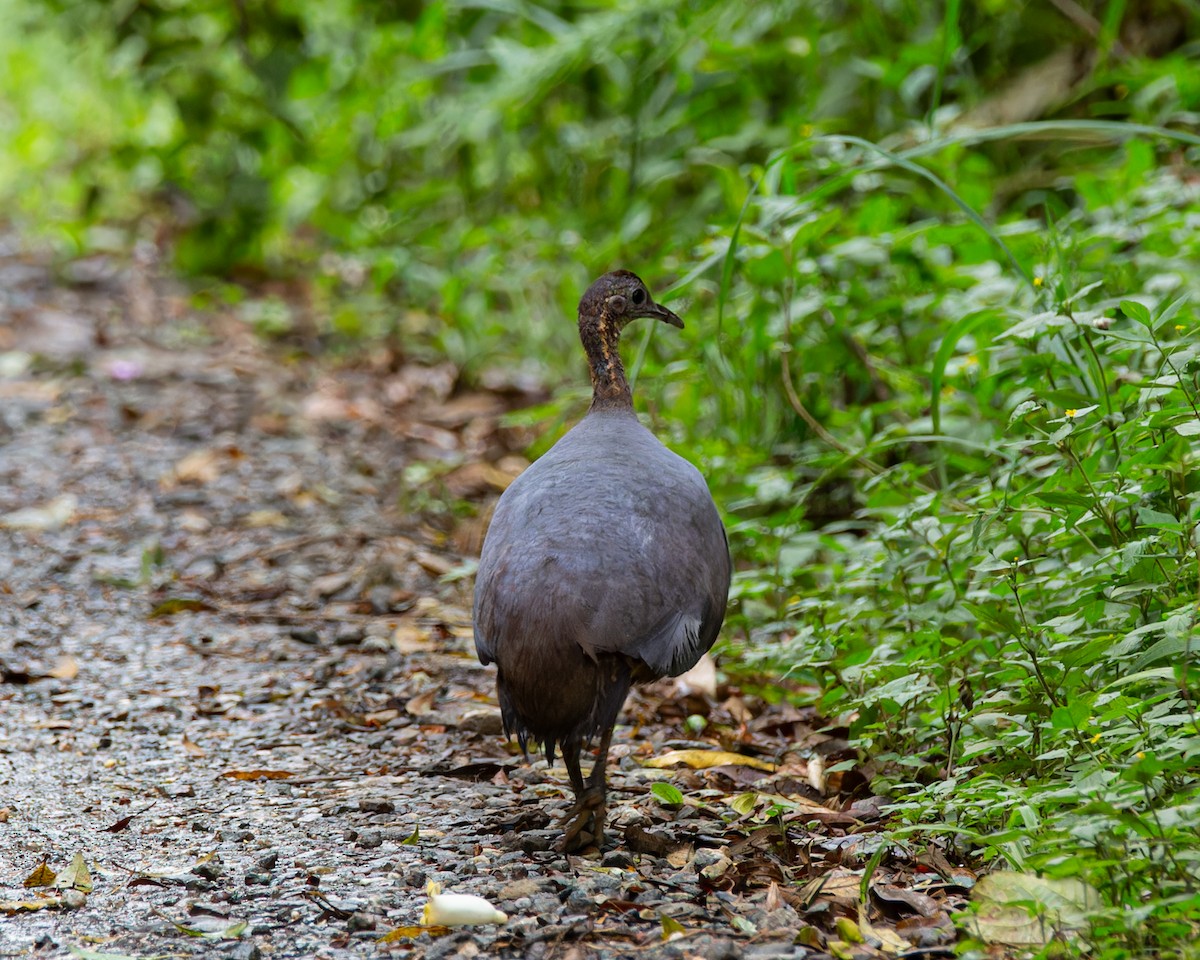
639	297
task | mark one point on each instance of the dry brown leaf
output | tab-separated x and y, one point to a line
200	467
421	705
51	725
67	668
408	637
193	749
474	480
919	902
261	519
29	906
884	938
703	759
257	774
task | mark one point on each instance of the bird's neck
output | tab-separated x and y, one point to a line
601	336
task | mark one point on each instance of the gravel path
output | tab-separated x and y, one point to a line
237	681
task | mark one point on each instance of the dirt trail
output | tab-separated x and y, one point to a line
236	673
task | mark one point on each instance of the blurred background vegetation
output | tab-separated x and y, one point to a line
938	264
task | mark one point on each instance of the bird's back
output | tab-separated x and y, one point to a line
610	543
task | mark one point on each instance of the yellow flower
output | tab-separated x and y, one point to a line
1038	281
972	362
1071	413
1179	328
1141	754
1096	738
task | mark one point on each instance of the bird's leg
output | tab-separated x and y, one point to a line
587	826
570	754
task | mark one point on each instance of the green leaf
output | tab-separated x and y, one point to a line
744	803
667	794
1136	311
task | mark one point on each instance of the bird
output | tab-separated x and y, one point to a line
605	564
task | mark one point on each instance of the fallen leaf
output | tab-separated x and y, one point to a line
703	759
85	954
200	467
701	679
257	774
193	749
816	772
410	933
50	516
672	929
75	877
260	519
174	605
1023	909
421	705
410	638
667	794
67	668
42	876
919	902
883	938
30	906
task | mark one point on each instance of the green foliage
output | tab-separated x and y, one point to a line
985	550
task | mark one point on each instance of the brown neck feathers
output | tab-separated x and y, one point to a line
601	335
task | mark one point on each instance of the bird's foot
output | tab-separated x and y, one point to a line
586	827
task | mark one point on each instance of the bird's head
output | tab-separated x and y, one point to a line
618	297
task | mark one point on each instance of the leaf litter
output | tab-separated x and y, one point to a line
264	722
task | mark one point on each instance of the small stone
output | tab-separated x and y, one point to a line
267	861
258	879
209	870
486	721
705	857
617	858
348	635
370	839
518	889
376	805
717	950
305	635
244	950
73	899
360	921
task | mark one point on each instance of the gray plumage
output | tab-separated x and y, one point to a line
605	563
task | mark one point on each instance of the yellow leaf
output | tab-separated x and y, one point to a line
671	928
43	876
409	933
703	759
848	930
75	877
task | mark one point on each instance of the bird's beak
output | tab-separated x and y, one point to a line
659	312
